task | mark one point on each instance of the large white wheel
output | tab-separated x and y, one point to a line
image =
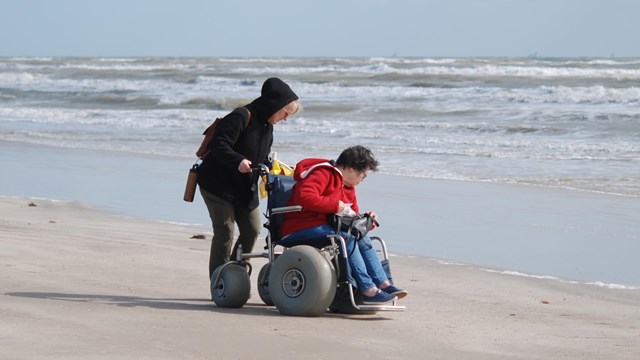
263	284
233	288
302	282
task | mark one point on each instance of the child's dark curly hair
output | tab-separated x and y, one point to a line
358	158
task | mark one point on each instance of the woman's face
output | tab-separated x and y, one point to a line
284	113
352	177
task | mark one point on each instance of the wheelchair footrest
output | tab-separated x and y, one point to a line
381	307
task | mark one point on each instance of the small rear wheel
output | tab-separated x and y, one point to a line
263	284
233	288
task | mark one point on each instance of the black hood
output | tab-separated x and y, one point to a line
274	96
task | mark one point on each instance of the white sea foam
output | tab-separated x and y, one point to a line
10	79
549	277
462	119
535	276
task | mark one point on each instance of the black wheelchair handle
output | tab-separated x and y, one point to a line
262	169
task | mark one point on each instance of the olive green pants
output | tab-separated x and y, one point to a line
224	215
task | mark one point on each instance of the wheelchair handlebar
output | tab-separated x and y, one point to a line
262	169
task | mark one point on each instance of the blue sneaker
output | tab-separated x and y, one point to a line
379	298
392	290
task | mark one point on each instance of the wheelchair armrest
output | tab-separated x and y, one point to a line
286	209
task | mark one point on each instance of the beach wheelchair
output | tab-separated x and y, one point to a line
303	279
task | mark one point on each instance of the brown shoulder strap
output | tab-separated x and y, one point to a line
248	118
208	135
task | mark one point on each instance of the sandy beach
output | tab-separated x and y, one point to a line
77	283
508	195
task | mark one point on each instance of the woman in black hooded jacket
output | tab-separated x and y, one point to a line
229	188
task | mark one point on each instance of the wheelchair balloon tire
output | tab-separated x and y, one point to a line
302	282
233	288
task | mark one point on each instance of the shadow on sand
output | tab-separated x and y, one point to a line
248	309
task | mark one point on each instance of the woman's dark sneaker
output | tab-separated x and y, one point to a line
379	298
392	290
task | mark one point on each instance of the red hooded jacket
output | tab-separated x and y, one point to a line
318	189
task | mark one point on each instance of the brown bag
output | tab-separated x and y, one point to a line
192	178
208	135
192	182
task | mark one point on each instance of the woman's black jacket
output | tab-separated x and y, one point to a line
233	142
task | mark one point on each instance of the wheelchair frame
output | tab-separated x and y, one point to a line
232	288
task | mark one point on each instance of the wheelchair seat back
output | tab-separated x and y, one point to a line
279	190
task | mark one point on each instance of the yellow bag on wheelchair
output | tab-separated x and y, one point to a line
277	168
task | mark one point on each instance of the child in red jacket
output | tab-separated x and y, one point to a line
324	187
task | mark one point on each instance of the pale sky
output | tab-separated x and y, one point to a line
280	28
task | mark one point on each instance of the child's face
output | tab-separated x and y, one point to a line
352	177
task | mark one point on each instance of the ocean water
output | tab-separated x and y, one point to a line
570	123
120	134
